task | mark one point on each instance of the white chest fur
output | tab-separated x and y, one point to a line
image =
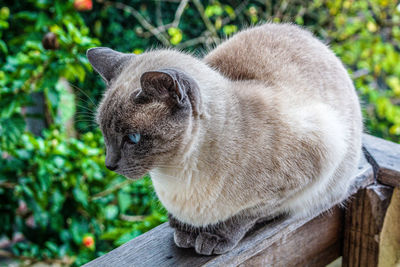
191	198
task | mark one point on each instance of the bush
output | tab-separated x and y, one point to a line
54	188
58	192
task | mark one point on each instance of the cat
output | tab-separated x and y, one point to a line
267	123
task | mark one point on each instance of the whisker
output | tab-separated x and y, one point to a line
85	116
85	113
85	119
86	108
76	87
88	103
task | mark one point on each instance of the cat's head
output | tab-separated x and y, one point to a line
148	111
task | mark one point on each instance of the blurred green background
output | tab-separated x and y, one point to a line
58	203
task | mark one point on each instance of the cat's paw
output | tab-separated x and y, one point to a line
208	244
184	239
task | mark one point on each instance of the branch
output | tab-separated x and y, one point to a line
142	20
206	20
174	23
194	41
159	20
111	190
179	12
132	218
8	185
238	10
170	1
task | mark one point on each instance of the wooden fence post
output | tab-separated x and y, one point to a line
363	224
366	212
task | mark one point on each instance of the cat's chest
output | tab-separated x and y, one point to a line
191	197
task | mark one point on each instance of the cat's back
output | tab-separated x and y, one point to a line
261	53
280	54
291	61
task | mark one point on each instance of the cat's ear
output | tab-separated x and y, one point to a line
107	62
171	85
162	85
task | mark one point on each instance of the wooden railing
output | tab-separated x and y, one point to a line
366	232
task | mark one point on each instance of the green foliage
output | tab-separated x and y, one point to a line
59	191
369	45
28	67
54	188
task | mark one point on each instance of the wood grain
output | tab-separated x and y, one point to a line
316	243
156	247
363	224
385	156
389	245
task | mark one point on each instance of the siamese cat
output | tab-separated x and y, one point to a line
267	123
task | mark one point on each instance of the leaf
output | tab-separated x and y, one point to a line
80	196
230	11
229	29
394	83
176	35
126	237
3	47
11	129
111	212
212	10
124	201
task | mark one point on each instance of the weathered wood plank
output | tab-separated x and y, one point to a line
316	243
364	176
389	246
385	157
363	224
156	247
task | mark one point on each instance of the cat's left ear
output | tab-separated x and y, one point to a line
173	86
107	62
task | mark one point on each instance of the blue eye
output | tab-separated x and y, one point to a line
134	138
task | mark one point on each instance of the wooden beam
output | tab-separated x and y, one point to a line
363	225
317	240
364	176
316	243
389	246
385	156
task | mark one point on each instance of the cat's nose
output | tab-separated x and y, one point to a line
112	167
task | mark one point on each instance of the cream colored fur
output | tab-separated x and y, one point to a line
280	128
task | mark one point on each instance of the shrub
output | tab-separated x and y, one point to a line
58	192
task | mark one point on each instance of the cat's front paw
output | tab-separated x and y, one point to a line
184	239
208	244
216	239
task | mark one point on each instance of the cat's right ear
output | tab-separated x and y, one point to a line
173	86
107	62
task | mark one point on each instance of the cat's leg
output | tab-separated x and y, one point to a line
216	239
184	234
223	237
